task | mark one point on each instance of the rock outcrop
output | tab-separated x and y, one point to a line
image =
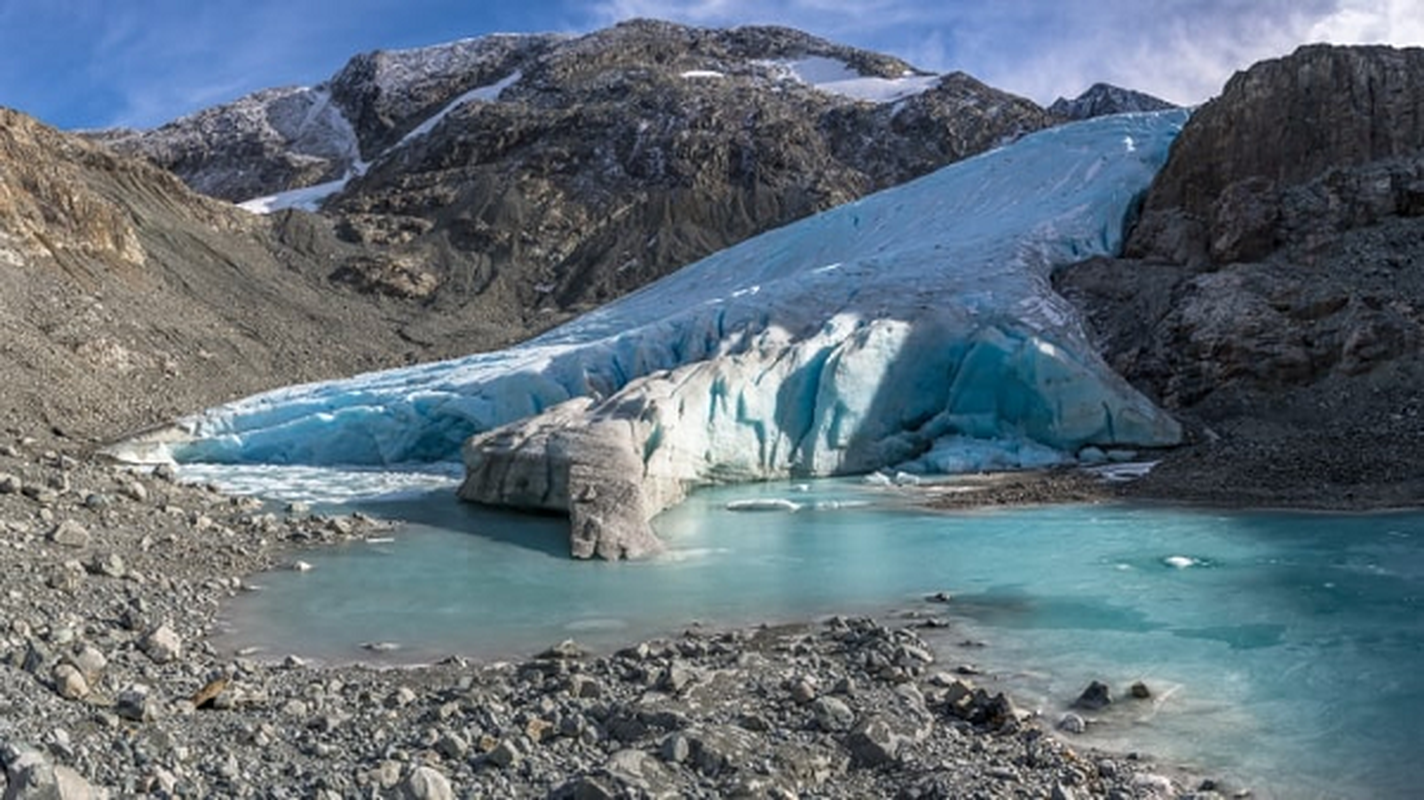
1275	280
1102	99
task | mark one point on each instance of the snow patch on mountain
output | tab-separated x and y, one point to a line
483	94
833	76
310	198
307	198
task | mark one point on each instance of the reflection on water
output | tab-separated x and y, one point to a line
1284	649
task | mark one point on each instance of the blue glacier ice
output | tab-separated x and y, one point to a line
914	326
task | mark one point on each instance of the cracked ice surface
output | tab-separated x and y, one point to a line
877	332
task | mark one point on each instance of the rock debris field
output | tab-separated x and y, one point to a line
109	687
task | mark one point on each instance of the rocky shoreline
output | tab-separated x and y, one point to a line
109	685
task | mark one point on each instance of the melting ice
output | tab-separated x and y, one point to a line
916	325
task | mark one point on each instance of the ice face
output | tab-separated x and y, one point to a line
878	332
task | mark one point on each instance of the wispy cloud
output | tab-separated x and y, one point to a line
1183	50
143	62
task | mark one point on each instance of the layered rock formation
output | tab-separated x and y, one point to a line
1276	279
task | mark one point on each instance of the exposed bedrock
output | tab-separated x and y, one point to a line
1275	282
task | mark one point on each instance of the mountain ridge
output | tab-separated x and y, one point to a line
583	167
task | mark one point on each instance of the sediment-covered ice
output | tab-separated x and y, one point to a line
915	327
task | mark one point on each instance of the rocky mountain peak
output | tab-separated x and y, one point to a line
1286	120
386	93
1102	99
552	173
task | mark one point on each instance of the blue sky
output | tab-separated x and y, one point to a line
91	63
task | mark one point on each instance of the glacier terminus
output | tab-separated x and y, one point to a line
915	329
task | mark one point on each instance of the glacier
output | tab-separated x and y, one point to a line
915	328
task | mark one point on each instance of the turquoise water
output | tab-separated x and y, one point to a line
1286	651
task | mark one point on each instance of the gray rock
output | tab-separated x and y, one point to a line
676	677
136	491
31	776
108	564
427	783
452	746
506	754
674	748
874	742
585	686
1096	696
162	645
70	534
640	771
585	787
69	682
136	703
832	714
1072	723
10	484
719	748
803	691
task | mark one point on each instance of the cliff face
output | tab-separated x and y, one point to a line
1274	284
1288	120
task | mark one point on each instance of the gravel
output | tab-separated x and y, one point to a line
109	685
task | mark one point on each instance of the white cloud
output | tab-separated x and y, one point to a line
1182	50
1398	22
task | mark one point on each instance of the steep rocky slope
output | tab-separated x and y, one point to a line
129	299
525	178
1274	285
1102	99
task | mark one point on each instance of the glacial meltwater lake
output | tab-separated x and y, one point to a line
1285	650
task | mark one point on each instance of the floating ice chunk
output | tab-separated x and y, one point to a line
1121	473
764	504
839	505
903	478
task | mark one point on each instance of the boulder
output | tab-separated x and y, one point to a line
162	645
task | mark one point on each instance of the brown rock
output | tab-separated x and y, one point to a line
204	697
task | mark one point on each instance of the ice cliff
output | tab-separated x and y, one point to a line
915	327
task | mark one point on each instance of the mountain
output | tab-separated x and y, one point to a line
1102	99
913	329
130	299
1273	290
535	177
